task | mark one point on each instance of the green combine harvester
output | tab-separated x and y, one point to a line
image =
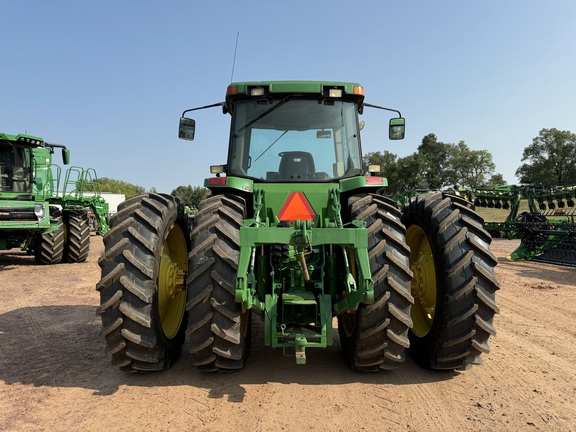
34	216
296	232
547	230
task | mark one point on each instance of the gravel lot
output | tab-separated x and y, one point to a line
54	375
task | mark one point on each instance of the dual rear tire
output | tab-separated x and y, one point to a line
453	286
435	254
143	285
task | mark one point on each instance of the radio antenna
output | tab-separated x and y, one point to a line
234	62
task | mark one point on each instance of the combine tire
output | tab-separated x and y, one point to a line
375	336
142	289
77	238
219	330
454	286
49	248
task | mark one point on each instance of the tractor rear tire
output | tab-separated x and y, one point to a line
454	285
77	239
219	330
143	289
375	336
49	248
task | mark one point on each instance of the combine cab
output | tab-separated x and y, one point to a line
295	233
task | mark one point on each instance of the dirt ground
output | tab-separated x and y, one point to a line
54	375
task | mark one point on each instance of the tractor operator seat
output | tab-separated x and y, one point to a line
296	166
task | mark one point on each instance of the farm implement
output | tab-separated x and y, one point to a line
547	228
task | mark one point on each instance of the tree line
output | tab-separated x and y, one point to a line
189	196
116	186
436	165
550	160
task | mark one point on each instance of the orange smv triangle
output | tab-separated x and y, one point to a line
296	207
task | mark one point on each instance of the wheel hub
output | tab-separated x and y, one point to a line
421	279
172	278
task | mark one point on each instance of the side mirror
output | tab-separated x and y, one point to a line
186	129
66	156
396	128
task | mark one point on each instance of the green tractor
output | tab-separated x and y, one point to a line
296	232
33	215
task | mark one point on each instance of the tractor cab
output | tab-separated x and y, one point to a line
293	131
294	139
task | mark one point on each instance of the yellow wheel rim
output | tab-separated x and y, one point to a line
172	282
424	288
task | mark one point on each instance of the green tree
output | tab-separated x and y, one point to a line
435	160
436	165
190	196
386	161
470	168
402	174
410	173
495	180
550	159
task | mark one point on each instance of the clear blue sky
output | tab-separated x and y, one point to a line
109	79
